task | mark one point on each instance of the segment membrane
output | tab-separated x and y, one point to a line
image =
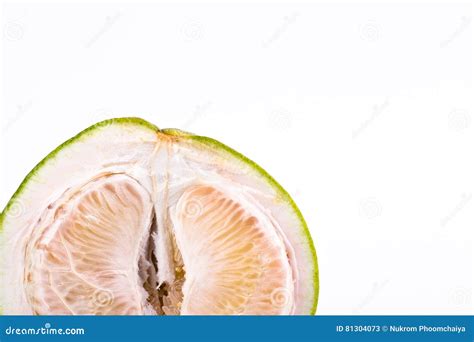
235	261
229	257
85	261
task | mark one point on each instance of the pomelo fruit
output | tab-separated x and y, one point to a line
128	219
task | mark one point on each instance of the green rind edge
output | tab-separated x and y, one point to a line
281	191
77	137
180	134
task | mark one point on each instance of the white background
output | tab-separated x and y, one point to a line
362	112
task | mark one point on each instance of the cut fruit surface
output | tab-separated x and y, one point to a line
234	260
127	219
85	260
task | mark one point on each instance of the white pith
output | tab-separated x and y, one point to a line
164	169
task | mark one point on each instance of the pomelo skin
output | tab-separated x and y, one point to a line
178	135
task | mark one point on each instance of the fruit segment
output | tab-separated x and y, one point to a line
85	260
235	262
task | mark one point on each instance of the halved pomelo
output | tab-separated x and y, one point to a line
126	218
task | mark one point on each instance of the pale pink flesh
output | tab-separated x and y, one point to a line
89	265
86	261
234	264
